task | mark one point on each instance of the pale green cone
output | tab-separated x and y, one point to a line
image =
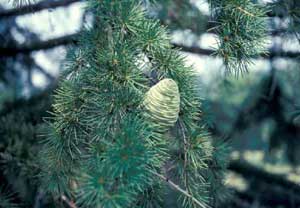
162	104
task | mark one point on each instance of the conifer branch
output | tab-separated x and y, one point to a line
177	187
50	4
46	4
70	39
209	52
241	29
37	45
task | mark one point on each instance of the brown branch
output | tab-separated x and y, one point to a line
68	39
50	4
37	45
46	4
194	49
209	52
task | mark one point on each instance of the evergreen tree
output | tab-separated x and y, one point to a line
126	129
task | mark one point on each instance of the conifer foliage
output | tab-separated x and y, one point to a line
242	29
126	127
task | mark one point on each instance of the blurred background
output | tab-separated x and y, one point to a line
258	112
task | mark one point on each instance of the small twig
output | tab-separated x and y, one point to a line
212	29
175	186
184	143
185	149
70	203
245	11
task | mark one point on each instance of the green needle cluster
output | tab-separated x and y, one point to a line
241	27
